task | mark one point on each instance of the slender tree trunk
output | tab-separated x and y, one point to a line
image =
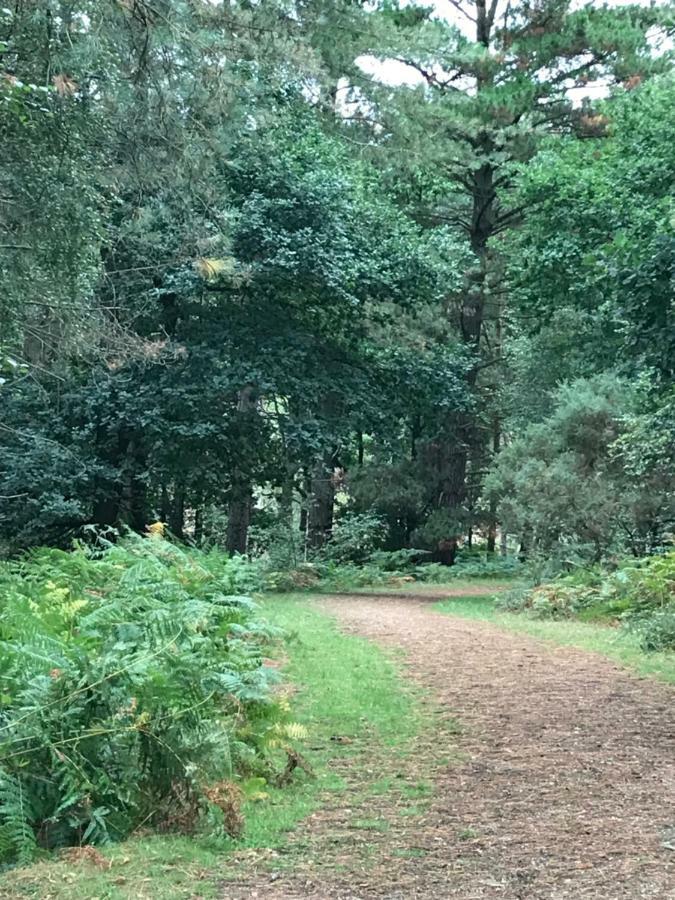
306	493
177	516
496	435
454	468
134	507
241	497
106	508
165	505
286	496
286	499
239	519
199	523
322	501
322	487
525	539
492	523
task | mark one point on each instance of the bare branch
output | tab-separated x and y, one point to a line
458	6
430	77
492	13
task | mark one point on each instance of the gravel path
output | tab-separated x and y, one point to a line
565	789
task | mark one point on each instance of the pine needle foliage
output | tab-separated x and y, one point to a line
132	679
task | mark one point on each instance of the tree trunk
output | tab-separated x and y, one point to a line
496	436
165	505
305	493
524	548
134	507
239	519
111	448
492	522
322	501
241	496
177	515
286	496
455	461
199	523
482	226
453	476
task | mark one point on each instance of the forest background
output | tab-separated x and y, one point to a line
253	290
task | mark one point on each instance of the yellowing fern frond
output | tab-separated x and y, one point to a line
156	529
209	268
292	731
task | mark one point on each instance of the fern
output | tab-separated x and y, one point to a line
18	835
131	676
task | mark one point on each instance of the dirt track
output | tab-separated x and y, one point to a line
565	791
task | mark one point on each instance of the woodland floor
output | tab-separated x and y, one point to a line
558	783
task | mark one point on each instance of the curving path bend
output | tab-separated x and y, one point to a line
565	789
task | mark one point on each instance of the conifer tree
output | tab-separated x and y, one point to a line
490	87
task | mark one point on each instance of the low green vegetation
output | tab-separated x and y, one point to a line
135	693
337	569
343	715
638	594
618	644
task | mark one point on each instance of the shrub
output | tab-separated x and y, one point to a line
298	579
132	684
278	545
397	560
656	630
345	576
355	536
638	593
484	565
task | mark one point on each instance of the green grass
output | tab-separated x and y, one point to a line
612	642
347	689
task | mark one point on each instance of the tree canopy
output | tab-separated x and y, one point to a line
247	283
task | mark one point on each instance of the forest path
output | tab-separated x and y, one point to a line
564	788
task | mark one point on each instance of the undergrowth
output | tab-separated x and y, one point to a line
391	568
133	694
349	718
638	594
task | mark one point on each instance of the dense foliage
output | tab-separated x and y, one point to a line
638	594
241	293
566	483
134	692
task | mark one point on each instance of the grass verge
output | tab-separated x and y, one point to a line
609	641
351	699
